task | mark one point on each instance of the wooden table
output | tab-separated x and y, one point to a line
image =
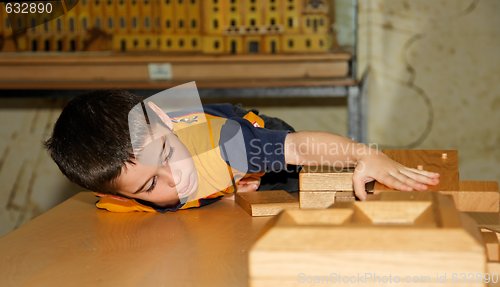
76	244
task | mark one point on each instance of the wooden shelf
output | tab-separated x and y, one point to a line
32	85
110	57
111	70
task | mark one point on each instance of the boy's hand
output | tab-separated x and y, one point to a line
378	166
320	148
248	184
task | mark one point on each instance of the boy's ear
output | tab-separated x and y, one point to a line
162	115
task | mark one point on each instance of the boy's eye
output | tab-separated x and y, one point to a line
153	184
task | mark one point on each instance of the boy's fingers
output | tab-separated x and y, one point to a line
408	181
418	177
395	183
423	172
359	188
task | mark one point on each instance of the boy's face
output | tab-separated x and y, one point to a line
167	175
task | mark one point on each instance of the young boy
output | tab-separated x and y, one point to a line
172	161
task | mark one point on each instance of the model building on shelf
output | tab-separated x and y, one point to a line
194	26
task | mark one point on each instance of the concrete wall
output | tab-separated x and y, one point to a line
435	70
30	183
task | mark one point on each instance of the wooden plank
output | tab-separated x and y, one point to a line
75	239
325	178
445	162
114	58
476	196
265	203
105	84
180	72
409	233
108	70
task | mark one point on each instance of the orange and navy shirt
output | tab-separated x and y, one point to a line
209	136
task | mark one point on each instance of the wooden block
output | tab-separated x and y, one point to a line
320	199
403	234
491	243
265	203
488	220
472	196
316	199
476	196
325	178
344	196
492	266
430	160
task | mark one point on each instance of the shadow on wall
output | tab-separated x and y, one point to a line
435	78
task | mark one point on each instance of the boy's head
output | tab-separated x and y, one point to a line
92	146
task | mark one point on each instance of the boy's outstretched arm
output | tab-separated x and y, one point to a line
321	148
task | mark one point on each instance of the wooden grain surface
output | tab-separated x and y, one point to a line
138	84
325	178
323	199
77	245
316	199
105	70
476	196
430	160
489	220
117	58
492	245
266	202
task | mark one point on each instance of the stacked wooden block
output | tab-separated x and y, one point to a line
322	186
443	234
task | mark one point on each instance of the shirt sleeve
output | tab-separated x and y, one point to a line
252	149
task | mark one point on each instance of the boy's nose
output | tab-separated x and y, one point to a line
173	176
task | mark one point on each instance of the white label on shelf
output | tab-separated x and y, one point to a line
160	71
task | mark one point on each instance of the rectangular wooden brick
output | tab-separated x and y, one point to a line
265	203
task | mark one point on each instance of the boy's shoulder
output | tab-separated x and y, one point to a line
225	110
